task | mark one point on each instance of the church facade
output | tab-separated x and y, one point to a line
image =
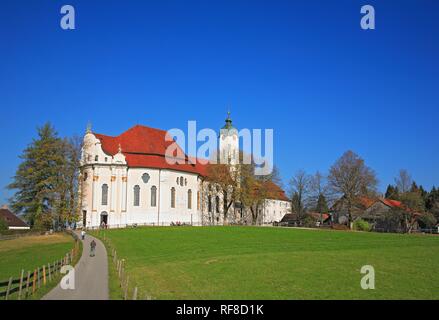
126	180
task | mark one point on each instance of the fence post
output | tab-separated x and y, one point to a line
135	294
21	284
126	288
44	274
27	283
50	274
34	281
38	278
120	267
9	288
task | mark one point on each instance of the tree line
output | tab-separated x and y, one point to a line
350	178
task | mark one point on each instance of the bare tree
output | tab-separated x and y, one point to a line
349	177
68	184
403	181
299	190
221	178
318	187
319	193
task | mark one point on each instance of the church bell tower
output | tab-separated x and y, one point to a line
229	143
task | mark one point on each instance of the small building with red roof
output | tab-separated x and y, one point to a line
11	220
376	212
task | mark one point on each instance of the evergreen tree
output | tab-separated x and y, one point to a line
414	187
37	177
392	192
432	202
322	205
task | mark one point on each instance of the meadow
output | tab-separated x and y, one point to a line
276	263
31	252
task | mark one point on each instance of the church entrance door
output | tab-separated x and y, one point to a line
104	218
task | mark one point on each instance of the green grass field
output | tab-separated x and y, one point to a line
31	252
276	263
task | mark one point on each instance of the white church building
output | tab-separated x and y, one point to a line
126	181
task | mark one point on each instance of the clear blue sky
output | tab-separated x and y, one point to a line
303	68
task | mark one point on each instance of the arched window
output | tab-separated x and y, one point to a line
96	158
189	199
181	181
172	197
217	204
104	197
153	196
209	203
136	196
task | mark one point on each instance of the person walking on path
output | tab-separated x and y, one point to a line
92	248
91	275
83	235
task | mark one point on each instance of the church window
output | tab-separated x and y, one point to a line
106	159
153	196
198	200
85	176
104	199
96	158
209	203
217	204
172	197
136	196
145	178
189	199
181	181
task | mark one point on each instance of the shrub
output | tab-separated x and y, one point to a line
3	225
361	225
309	222
427	220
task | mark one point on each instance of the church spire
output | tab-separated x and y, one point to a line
88	130
228	125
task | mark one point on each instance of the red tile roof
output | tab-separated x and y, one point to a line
11	219
316	215
392	203
145	147
366	202
275	192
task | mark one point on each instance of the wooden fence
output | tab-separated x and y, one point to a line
27	284
129	290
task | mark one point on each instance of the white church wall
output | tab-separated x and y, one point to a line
275	210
